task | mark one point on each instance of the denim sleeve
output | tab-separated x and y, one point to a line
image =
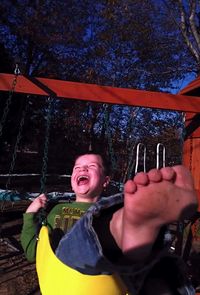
80	249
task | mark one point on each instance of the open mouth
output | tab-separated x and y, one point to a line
82	179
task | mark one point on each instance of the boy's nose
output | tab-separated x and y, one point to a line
84	168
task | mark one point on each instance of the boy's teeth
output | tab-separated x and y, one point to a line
83	177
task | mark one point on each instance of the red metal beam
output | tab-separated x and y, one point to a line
97	93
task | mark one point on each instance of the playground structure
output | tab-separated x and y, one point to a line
192	136
188	101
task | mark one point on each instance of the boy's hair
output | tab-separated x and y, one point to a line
105	161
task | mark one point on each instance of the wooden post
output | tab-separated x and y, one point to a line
191	154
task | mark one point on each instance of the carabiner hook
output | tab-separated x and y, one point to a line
158	155
16	70
139	145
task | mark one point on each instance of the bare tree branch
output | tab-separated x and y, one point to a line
184	30
193	26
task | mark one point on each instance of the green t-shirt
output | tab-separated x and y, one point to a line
63	216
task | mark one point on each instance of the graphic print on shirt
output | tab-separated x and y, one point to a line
67	218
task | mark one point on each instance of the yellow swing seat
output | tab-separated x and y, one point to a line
57	278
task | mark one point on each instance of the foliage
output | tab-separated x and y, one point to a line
121	43
133	44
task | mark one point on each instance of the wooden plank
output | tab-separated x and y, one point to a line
193	123
106	94
191	159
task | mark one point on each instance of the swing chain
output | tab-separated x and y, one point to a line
19	136
8	102
110	145
46	145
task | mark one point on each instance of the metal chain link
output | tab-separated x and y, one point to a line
9	100
46	145
110	144
19	136
131	146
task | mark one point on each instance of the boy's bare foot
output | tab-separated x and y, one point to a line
151	200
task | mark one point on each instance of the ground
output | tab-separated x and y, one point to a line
17	276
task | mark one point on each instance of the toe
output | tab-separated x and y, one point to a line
141	178
168	173
155	175
130	187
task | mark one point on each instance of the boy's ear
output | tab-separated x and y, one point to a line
106	182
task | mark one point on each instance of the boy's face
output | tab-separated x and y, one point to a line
88	178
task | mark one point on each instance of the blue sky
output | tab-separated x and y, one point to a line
180	84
